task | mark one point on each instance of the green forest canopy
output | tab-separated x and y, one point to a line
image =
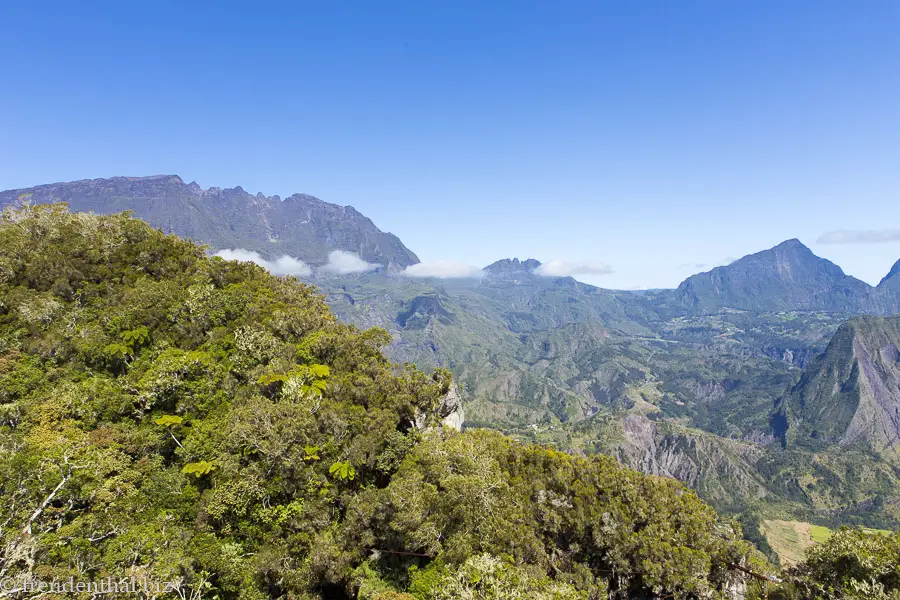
169	416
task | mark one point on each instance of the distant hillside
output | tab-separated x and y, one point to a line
554	361
893	276
300	226
890	288
850	393
786	277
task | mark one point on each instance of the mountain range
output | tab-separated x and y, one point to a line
769	384
300	226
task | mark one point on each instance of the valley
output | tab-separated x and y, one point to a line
450	301
701	383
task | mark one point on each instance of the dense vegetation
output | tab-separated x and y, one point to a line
562	364
170	416
676	383
850	565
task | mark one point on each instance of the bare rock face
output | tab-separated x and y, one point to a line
736	587
851	393
707	391
512	269
715	465
889	289
449	412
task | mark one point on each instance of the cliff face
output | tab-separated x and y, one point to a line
850	393
449	412
301	226
720	469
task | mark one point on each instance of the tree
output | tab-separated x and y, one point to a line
172	416
853	564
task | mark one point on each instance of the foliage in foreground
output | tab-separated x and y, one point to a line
851	565
174	417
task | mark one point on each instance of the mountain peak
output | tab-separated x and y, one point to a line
792	243
171	178
786	277
508	266
162	178
850	392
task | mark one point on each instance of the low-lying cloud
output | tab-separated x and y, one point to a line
341	262
286	265
859	236
561	268
443	269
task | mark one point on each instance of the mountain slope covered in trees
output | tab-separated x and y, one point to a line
678	383
589	370
171	416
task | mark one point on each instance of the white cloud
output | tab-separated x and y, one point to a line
857	236
561	268
344	263
443	269
286	265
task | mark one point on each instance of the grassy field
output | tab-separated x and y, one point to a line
791	539
819	534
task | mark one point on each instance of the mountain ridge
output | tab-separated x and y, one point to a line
508	265
893	274
301	225
788	276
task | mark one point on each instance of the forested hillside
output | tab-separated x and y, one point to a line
583	369
170	416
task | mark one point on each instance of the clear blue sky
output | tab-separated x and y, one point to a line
650	136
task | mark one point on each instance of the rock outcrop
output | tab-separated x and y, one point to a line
715	466
449	412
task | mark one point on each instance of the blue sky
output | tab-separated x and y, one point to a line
653	137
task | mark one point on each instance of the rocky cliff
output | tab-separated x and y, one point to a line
850	393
